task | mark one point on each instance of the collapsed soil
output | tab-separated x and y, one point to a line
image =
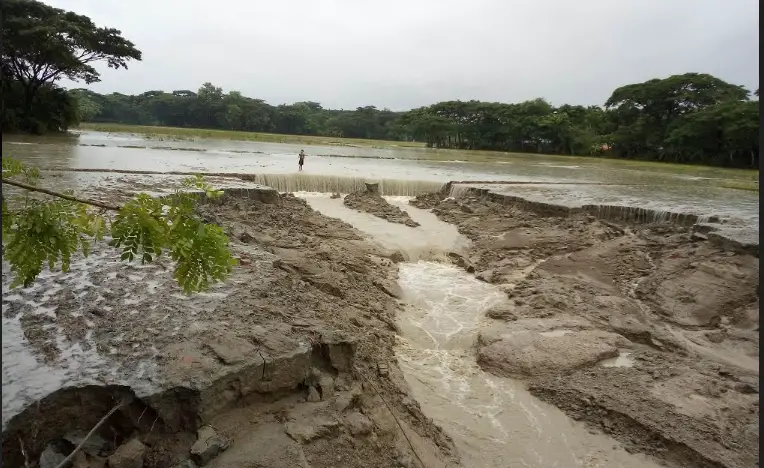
235	357
373	203
646	333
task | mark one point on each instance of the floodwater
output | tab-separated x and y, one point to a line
408	171
494	422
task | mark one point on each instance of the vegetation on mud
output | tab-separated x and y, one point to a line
39	231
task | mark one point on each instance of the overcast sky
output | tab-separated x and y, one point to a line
408	53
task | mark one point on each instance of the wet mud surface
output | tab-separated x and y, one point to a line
645	332
289	361
371	201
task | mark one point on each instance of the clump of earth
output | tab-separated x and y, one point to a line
645	332
288	364
370	201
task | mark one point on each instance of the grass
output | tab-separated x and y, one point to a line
192	133
748	185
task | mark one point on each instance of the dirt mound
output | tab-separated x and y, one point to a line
426	201
646	332
372	202
290	362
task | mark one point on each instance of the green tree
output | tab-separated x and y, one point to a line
40	231
646	111
42	45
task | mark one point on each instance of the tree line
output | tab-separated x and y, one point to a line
690	118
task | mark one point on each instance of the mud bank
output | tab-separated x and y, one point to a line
290	363
370	201
722	232
638	327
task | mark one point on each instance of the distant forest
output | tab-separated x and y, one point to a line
691	118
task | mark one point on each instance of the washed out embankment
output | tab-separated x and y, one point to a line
371	201
706	226
291	361
494	422
290	183
634	323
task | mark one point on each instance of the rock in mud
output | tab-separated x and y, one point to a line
461	261
232	350
313	395
326	384
389	287
207	446
358	424
311	429
343	401
52	456
128	455
502	312
531	353
94	444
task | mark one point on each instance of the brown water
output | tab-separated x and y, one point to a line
661	187
494	422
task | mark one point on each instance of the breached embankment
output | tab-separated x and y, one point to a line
290	363
307	281
633	323
742	236
707	226
291	183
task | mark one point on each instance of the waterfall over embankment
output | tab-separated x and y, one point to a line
317	183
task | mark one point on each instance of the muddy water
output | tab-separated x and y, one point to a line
494	422
662	187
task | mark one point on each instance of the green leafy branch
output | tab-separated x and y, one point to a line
40	231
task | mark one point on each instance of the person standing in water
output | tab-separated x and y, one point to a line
301	159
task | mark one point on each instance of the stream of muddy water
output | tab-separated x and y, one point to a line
494	422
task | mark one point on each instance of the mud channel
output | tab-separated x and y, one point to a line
483	333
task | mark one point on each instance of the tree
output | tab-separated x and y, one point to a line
42	45
50	231
640	121
646	111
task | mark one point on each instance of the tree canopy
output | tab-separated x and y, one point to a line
42	45
689	118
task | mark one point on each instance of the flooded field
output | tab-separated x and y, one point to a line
494	308
134	152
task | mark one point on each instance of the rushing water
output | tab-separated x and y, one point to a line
494	422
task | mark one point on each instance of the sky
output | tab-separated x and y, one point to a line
401	54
